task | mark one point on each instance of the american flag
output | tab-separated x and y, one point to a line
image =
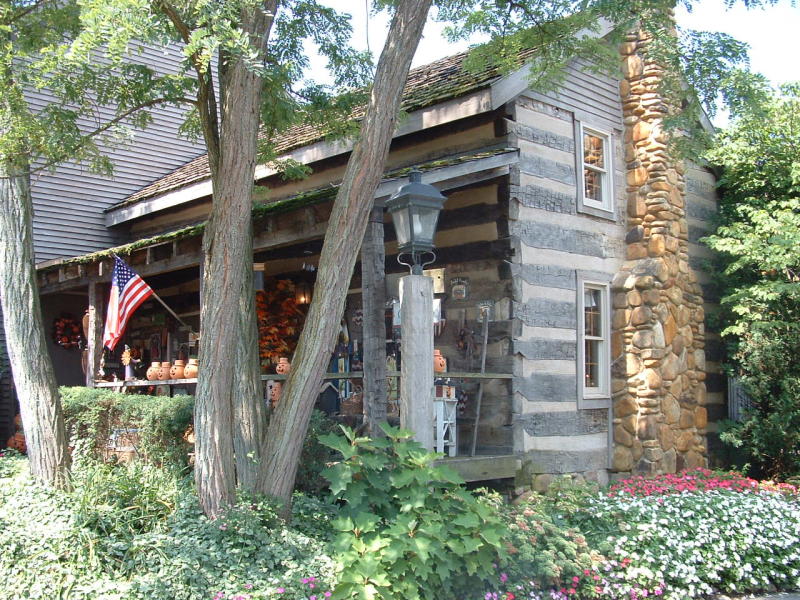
128	291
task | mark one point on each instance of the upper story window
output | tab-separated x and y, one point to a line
595	190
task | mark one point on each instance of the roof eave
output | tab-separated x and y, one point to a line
437	114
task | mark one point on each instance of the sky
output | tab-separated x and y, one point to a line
773	33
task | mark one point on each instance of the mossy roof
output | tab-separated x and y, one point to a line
265	209
429	84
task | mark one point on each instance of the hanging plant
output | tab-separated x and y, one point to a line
67	332
280	321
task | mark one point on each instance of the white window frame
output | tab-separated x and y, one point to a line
587	205
600	396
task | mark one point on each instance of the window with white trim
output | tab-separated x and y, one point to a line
594	335
596	166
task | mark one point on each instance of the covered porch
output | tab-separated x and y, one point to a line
471	270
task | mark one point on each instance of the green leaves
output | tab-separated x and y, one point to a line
759	243
405	521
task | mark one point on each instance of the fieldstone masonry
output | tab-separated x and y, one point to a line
658	319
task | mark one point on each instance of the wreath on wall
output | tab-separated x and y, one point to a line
280	321
67	332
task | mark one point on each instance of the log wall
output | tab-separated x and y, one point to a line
555	246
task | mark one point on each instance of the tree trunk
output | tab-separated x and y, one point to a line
31	366
373	292
229	413
348	222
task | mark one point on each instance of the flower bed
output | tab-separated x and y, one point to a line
672	536
697	480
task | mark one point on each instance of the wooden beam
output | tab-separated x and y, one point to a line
94	343
373	295
483	468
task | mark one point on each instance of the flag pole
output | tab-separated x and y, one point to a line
172	312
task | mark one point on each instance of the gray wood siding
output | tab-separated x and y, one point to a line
69	203
588	96
702	206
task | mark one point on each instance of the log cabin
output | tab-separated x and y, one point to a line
568	226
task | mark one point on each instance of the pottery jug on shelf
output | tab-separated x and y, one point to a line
163	372
177	370
190	371
275	394
283	367
152	371
439	362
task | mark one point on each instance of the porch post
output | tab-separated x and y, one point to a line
373	294
416	396
94	343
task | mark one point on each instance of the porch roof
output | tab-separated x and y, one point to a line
446	174
427	85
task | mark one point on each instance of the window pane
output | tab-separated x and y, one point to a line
591	313
593	185
593	150
592	364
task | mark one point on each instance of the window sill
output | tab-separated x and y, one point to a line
595	211
595	401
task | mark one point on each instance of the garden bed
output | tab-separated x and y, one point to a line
135	531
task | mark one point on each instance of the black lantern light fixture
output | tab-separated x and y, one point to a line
415	211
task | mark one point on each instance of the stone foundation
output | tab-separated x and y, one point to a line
658	318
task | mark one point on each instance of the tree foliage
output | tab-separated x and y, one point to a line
759	240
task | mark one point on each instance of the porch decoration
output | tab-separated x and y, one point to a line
177	370
280	321
152	371
190	371
67	332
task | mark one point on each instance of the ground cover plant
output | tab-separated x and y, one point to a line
395	526
136	531
673	536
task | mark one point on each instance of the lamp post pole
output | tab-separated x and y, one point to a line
416	383
415	211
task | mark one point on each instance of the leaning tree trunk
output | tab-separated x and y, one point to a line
31	366
347	223
230	419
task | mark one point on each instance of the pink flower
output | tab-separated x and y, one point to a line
280	590
503	577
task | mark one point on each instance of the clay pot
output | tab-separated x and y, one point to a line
439	362
275	394
152	371
283	367
190	371
177	370
163	372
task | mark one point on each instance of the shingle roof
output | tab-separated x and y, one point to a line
428	84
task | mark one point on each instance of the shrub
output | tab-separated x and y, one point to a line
543	551
106	540
91	414
316	456
407	529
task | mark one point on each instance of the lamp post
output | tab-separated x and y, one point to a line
415	211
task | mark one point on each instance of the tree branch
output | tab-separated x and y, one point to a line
26	11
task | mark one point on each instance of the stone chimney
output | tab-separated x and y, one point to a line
659	337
